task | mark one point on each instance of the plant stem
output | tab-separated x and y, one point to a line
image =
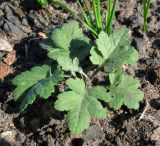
89	82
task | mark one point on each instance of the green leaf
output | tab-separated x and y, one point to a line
67	101
113	51
81	103
39	82
66	44
124	90
78	119
96	56
100	93
64	60
70	36
43	3
77	85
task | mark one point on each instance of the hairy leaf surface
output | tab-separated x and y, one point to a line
124	90
113	51
81	103
39	82
68	46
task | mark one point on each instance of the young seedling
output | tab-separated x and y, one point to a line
82	98
146	7
92	15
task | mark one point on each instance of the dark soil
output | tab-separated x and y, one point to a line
41	124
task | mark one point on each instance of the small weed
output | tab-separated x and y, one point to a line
82	99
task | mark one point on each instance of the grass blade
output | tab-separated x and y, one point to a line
99	14
63	6
111	15
89	10
146	6
95	13
84	13
108	11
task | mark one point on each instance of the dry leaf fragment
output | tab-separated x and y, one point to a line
10	58
5	70
42	35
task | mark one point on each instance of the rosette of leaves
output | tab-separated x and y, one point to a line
68	46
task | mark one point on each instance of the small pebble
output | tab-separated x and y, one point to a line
25	22
156	44
138	43
5	46
8	11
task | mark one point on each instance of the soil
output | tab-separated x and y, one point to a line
41	124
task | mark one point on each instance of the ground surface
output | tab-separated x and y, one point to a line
42	125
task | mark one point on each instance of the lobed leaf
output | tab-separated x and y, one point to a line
124	90
100	93
81	103
39	82
76	85
113	51
68	46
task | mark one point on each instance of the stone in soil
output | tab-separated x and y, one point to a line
11	138
8	11
11	21
156	136
5	46
51	140
138	43
24	21
134	19
12	28
156	44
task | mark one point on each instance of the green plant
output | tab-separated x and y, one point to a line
42	3
92	17
68	48
146	7
110	15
